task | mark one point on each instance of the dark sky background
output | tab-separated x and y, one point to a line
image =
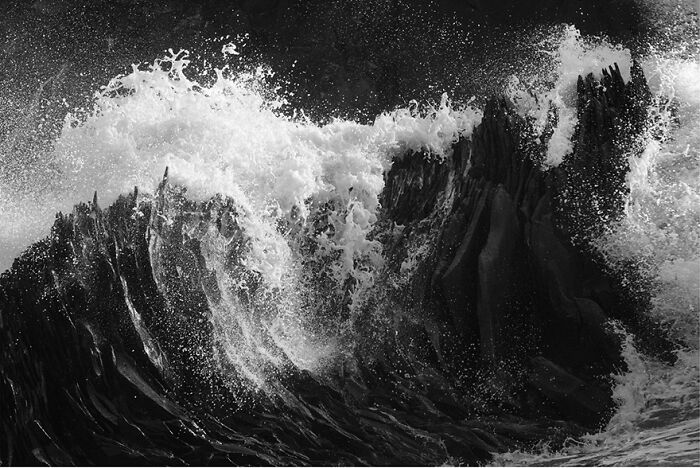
350	58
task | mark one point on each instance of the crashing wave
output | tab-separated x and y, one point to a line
441	299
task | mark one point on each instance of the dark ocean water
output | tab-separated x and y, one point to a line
265	302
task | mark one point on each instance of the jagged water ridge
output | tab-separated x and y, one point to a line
166	326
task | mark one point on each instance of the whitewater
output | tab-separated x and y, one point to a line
230	138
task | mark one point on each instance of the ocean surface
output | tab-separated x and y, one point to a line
227	136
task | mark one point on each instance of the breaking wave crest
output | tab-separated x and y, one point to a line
658	419
306	198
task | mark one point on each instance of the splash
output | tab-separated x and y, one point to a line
230	138
226	138
661	227
572	56
657	419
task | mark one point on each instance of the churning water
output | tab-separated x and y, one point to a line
229	137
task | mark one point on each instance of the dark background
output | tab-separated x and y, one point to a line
346	58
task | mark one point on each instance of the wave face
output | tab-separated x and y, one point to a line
445	284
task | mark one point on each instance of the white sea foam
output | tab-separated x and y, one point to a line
225	138
572	56
657	420
230	138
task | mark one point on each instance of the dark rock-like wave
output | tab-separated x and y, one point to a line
501	338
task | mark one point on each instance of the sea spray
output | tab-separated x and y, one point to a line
657	420
228	138
572	55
